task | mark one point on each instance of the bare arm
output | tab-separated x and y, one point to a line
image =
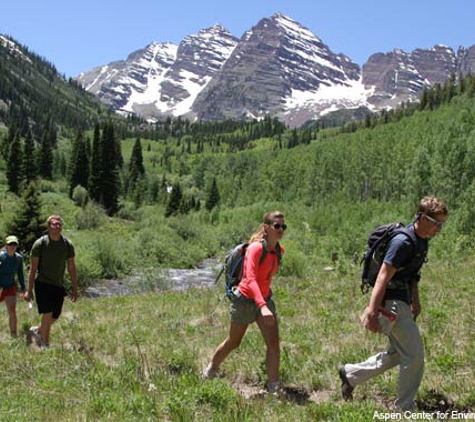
34	261
74	278
386	273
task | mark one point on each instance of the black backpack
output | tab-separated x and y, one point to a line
378	241
234	262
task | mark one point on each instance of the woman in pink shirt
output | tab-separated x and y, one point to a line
252	299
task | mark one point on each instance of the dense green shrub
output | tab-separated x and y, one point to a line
92	216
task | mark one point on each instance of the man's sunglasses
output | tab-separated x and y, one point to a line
278	226
438	224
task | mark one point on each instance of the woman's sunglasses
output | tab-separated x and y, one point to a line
278	226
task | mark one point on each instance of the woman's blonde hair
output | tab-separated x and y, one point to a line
268	218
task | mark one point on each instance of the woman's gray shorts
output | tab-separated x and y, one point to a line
246	311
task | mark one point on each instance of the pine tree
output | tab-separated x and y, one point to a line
27	223
14	164
46	157
294	139
184	206
213	197
12	131
174	201
367	121
53	134
30	169
136	168
95	170
471	87
153	191
461	87
79	163
109	175
449	88
424	99
119	159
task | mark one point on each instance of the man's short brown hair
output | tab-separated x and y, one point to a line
432	206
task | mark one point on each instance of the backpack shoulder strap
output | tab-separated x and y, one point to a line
42	245
410	233
264	251
19	257
278	252
67	242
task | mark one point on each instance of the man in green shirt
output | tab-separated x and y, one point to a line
50	255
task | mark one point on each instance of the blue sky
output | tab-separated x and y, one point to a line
77	36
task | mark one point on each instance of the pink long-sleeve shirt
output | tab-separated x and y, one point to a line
256	279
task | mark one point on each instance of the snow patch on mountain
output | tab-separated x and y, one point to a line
330	97
277	68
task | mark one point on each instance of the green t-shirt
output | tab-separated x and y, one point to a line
53	256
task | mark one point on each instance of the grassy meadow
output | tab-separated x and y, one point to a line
138	358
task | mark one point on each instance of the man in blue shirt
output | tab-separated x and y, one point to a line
11	264
394	307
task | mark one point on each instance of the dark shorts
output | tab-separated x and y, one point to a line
246	311
49	298
8	291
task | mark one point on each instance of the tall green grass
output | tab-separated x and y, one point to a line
138	358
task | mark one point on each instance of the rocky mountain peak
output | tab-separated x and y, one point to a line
277	68
275	61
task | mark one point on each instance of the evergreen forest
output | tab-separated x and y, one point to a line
203	186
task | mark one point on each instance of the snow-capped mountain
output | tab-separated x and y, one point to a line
278	67
162	79
135	80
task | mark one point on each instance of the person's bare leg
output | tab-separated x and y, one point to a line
236	333
44	329
271	338
10	302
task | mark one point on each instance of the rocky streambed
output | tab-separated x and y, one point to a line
203	276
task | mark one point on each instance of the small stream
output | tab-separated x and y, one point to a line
203	276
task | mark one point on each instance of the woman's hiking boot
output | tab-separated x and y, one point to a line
209	372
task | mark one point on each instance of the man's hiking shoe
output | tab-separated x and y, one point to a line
209	372
34	336
346	388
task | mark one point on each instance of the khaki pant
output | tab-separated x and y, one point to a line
405	349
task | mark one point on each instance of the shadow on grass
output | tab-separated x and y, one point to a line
296	395
429	401
434	401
